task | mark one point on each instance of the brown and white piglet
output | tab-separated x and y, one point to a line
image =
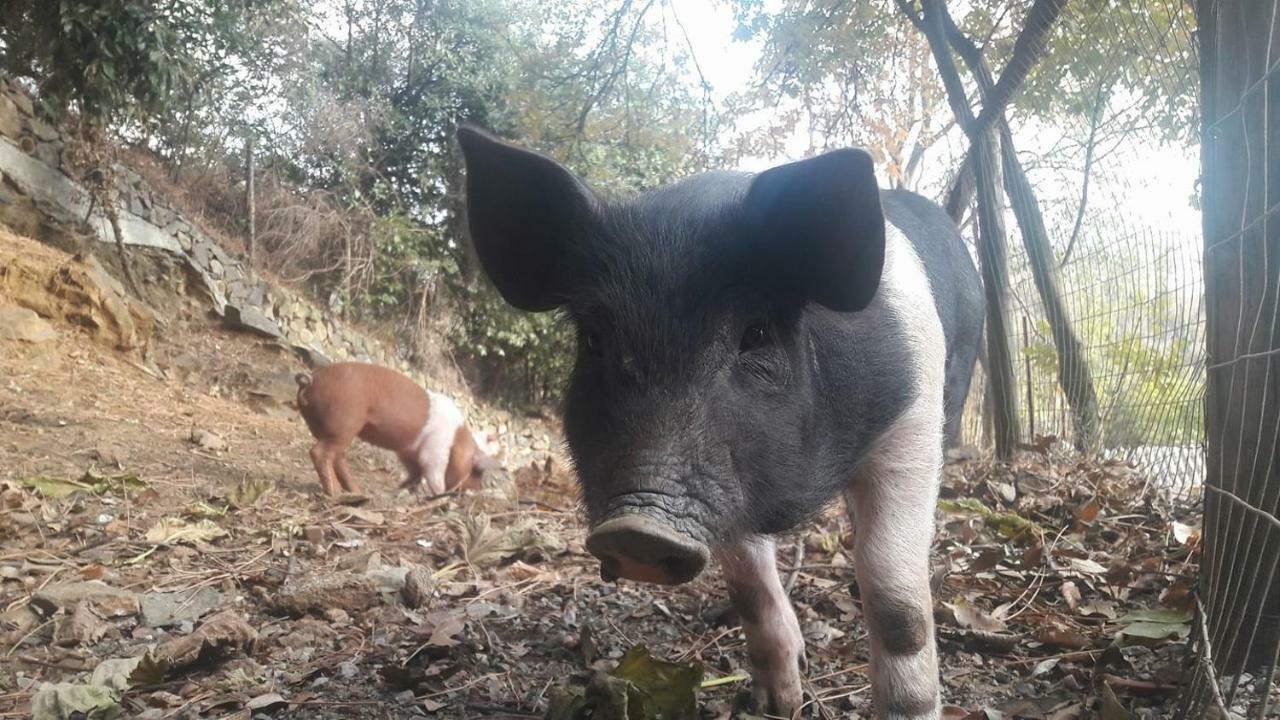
343	401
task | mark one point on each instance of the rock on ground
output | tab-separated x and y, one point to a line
18	323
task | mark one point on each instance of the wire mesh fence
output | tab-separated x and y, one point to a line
1129	285
1179	325
1134	296
1238	626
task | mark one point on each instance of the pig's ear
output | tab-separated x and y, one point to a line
524	211
819	229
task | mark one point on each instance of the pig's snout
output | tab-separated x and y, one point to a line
639	548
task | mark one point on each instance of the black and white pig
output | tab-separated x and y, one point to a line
750	347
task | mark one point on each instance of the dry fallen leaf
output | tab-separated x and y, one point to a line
1071	594
249	492
1086	566
1088	512
1185	534
975	618
442	635
1062	638
174	531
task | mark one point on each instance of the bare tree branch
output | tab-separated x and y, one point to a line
1090	147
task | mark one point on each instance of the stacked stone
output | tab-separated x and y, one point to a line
32	166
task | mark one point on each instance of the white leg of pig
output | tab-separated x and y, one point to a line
892	502
775	646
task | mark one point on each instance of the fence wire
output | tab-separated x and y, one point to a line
1131	284
1238	626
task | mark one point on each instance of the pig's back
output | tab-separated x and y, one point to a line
380	405
953	279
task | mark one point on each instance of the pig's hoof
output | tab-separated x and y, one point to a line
780	700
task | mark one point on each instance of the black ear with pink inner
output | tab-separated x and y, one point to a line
817	229
524	211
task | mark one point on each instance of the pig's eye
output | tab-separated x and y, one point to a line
755	336
591	341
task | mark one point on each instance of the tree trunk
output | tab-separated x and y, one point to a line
113	216
249	201
1074	375
992	248
993	255
1027	49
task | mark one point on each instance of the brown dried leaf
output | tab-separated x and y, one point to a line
1071	594
442	635
221	636
1111	707
1062	638
975	618
1089	512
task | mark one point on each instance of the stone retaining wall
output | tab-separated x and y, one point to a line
41	197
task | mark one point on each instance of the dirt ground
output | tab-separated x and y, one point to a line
170	512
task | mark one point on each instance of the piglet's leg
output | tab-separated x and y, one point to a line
344	473
775	646
322	457
892	503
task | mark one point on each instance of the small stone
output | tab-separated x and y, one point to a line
107	601
207	440
18	323
164	609
21	100
419	585
49	153
136	207
43	130
83	627
388	579
352	593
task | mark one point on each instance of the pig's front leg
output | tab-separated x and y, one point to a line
775	646
892	502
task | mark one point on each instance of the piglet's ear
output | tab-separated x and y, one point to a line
524	211
818	230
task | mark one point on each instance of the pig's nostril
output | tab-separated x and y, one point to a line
638	548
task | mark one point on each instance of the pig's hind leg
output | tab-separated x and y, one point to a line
322	456
344	472
892	500
775	646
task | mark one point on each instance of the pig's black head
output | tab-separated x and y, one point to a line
690	414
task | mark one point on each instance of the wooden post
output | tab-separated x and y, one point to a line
249	201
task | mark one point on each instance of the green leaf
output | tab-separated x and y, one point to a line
640	688
1157	615
1154	624
121	484
663	690
53	488
63	701
58	488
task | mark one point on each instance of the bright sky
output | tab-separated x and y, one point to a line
1157	192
